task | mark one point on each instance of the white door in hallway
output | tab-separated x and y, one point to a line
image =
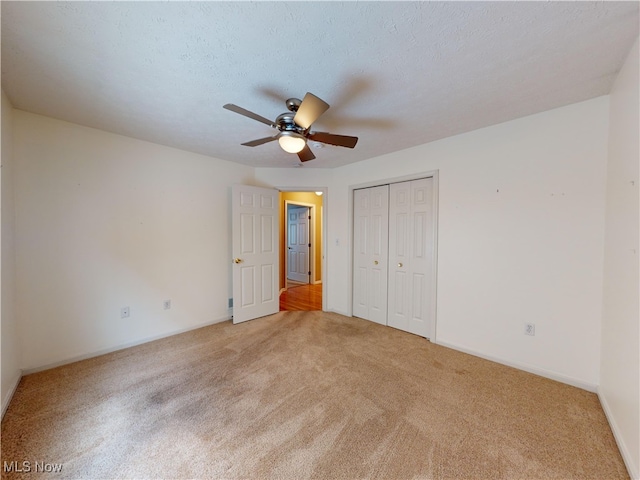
298	268
370	252
255	249
411	256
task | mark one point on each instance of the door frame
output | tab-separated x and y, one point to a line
434	274
311	233
323	223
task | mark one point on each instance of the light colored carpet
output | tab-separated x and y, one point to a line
304	395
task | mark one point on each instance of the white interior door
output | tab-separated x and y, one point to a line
255	231
411	256
370	232
298	244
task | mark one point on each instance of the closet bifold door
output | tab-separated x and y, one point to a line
411	256
370	253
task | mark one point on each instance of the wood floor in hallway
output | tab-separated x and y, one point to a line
304	297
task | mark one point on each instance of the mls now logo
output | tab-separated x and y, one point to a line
27	467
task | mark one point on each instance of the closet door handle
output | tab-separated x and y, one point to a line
400	265
375	262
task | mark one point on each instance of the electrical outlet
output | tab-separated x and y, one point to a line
530	329
124	312
167	304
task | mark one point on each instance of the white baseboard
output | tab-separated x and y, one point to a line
527	368
634	473
85	356
7	399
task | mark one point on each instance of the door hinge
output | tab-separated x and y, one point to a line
309	217
309	273
309	245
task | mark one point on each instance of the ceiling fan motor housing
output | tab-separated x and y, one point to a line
285	122
293	104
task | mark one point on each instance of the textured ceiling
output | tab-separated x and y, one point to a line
396	74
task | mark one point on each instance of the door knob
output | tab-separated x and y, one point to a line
237	260
375	262
400	265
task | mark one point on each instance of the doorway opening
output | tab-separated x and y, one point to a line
301	251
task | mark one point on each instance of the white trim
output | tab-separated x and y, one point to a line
340	312
135	343
590	387
7	399
388	181
624	451
323	225
434	271
311	209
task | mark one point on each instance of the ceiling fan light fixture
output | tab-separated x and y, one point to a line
294	127
291	142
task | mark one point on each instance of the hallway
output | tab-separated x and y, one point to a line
304	297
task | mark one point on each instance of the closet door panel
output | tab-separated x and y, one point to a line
360	253
410	258
397	289
371	251
399	243
422	256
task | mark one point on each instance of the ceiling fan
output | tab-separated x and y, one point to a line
294	127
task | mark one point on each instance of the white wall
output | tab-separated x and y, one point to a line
620	367
105	221
521	222
9	330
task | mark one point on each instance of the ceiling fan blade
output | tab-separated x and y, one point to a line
306	154
310	110
260	141
247	113
332	139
